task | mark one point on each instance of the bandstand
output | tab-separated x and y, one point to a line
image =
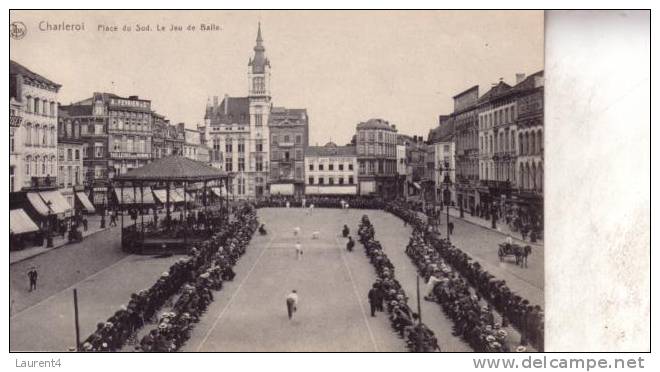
190	193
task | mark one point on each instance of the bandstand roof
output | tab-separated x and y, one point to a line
173	168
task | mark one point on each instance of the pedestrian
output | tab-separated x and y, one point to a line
311	208
296	231
304	202
375	299
451	228
32	275
292	303
84	223
299	251
350	244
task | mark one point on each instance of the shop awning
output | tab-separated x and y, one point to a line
331	190
40	201
84	200
220	192
281	189
134	197
20	222
176	196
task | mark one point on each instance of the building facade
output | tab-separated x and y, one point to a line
376	151
70	175
116	133
289	138
466	138
192	143
33	126
442	154
530	162
331	170
16	145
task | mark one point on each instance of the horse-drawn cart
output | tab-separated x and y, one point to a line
519	252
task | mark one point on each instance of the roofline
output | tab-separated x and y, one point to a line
467	90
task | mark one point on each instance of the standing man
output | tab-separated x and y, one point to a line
375	299
299	251
292	303
32	275
451	228
304	201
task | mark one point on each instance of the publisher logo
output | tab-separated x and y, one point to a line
17	30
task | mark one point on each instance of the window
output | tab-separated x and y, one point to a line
259	146
310	181
69	155
258	120
241	164
331	180
362	168
299	155
341	167
11	143
350	180
321	180
28	134
298	139
77	175
341	180
311	166
28	159
258	84
241	147
228	147
259	163
320	167
98	150
299	173
350	166
331	166
228	164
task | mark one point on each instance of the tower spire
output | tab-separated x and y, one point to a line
259	39
259	61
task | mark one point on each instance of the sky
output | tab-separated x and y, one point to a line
344	67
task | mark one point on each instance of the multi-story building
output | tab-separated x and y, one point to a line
289	137
159	131
237	130
70	176
443	159
529	124
116	133
497	132
376	151
33	127
331	170
192	143
401	167
16	144
466	139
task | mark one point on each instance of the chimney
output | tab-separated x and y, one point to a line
520	78
226	104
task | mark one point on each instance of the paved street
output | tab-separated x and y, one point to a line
482	243
104	276
249	314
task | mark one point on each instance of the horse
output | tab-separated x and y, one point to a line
521	255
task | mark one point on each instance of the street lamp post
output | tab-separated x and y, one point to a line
447	194
49	235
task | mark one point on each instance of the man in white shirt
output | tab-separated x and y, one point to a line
299	251
292	303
